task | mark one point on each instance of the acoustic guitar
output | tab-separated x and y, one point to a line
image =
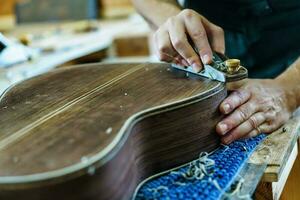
96	131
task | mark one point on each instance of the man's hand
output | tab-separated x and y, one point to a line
254	107
172	40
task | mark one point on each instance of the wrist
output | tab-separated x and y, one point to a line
173	10
157	12
289	92
290	78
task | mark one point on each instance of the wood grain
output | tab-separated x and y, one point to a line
101	129
276	149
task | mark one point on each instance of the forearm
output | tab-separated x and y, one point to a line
290	80
156	12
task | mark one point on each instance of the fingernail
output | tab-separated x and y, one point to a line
206	59
196	67
223	128
227	139
226	108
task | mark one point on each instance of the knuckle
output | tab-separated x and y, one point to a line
170	21
270	128
193	59
271	115
269	108
253	106
199	34
267	129
162	57
188	13
243	113
266	101
240	96
163	48
219	30
178	44
253	122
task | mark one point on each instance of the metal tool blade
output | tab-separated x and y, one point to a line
207	72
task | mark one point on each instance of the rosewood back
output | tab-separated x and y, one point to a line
95	131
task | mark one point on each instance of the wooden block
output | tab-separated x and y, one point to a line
7	7
7	16
90	58
115	8
131	46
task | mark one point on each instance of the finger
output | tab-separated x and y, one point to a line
177	63
270	127
253	133
183	61
164	48
272	123
215	35
169	58
239	116
270	115
234	100
245	128
198	35
267	127
180	43
178	59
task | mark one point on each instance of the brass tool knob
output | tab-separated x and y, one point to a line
232	65
26	39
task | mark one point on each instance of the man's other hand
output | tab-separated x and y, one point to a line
254	107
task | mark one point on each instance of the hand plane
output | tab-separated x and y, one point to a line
220	69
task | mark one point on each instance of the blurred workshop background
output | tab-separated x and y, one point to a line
39	35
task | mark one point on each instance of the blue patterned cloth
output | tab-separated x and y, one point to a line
208	177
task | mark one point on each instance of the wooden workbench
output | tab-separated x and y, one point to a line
267	173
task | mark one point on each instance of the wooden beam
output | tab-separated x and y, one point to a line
276	150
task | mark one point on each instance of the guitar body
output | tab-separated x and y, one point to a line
96	131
